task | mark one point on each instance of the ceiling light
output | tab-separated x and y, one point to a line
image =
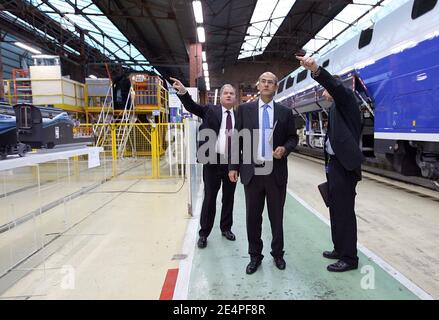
201	34
203	54
216	96
205	67
26	47
198	11
206	73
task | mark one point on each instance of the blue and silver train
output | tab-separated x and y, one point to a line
393	67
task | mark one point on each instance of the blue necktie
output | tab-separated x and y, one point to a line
265	128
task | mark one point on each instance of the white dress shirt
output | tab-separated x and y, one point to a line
222	135
329	147
269	154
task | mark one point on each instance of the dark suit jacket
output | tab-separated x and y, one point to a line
284	134
210	114
344	127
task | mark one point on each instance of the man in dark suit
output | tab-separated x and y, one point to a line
271	137
219	120
343	159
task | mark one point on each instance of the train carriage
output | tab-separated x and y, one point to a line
393	67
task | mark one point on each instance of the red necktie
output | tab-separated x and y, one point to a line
228	131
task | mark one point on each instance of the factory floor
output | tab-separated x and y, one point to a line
122	249
135	240
397	221
397	237
218	271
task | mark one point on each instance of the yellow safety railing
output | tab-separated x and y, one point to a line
161	145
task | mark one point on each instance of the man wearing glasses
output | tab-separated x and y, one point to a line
264	172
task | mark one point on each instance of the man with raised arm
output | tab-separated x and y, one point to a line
343	159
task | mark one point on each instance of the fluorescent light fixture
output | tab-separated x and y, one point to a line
26	47
205	66
207	80
215	100
266	19
92	76
201	34
198	11
206	73
203	54
208	87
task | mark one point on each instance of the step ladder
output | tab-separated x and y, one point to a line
126	125
102	128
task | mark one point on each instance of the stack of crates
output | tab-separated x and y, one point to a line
147	89
97	90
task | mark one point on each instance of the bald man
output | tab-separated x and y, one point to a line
264	172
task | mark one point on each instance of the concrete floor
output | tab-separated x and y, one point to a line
393	221
125	238
218	271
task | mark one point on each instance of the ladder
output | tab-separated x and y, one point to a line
102	128
126	125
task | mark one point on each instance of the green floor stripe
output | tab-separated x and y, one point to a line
218	271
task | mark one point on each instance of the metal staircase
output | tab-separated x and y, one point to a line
102	128
126	125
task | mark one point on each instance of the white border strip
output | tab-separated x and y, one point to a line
407	136
184	270
372	256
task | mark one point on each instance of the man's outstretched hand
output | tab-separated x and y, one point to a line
177	85
308	63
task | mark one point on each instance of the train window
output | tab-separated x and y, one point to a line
302	76
365	38
25	117
421	7
325	64
281	86
290	82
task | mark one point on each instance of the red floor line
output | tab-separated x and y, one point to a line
169	285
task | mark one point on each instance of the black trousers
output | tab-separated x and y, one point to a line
342	184
213	176
256	191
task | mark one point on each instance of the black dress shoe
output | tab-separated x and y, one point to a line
202	242
341	266
331	254
229	235
253	266
280	263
